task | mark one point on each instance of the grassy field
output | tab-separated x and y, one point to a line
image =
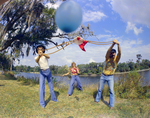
18	99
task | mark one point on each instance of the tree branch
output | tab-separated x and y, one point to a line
8	43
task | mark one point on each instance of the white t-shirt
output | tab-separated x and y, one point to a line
43	62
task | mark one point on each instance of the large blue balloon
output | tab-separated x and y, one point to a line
68	16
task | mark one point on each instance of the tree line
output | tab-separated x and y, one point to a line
86	69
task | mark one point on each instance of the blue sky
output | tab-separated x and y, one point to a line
128	21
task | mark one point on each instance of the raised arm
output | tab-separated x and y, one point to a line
119	53
109	50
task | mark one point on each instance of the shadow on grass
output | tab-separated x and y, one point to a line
49	98
102	98
105	102
75	86
94	94
77	98
70	117
25	83
28	83
2	85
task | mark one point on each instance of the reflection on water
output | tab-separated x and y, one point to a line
85	81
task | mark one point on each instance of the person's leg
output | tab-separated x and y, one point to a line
78	82
71	85
42	89
101	84
110	82
50	84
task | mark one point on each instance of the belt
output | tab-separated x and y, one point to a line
106	75
44	69
76	75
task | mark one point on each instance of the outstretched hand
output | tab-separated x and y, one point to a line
115	41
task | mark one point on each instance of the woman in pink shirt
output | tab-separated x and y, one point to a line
75	71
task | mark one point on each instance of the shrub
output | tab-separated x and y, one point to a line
10	75
28	81
130	86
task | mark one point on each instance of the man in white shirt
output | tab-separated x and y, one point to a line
42	61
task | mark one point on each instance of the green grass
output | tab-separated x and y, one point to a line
22	100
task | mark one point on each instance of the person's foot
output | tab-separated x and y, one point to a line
43	106
68	95
95	102
55	100
111	107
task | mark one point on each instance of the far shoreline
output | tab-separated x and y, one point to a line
96	75
85	75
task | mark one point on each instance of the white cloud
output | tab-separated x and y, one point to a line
66	60
93	16
134	11
137	31
130	48
57	39
139	41
107	31
131	26
103	36
93	7
58	31
26	61
91	60
55	6
101	5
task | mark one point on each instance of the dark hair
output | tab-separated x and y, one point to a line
113	51
40	46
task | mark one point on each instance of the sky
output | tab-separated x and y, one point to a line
128	21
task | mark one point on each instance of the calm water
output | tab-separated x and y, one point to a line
66	80
85	81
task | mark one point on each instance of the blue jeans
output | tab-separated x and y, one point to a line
45	73
74	77
110	81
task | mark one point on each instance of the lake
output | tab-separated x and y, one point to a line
85	81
